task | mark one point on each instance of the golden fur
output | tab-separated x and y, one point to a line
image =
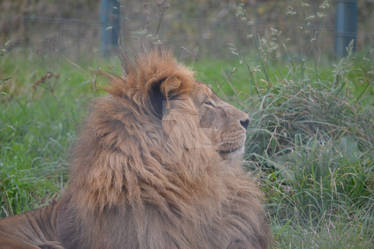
157	167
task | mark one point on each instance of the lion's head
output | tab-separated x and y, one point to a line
172	95
161	154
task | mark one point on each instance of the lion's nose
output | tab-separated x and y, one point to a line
244	123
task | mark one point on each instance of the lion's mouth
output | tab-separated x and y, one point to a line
232	144
231	150
234	153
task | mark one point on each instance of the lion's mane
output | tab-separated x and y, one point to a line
140	178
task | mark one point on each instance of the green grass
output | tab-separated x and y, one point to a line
38	123
310	141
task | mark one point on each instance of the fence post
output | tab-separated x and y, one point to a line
346	26
110	25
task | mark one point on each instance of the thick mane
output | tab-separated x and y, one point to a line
127	154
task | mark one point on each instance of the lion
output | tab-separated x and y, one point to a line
157	166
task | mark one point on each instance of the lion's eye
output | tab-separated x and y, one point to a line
208	102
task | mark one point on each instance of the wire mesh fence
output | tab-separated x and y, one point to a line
192	28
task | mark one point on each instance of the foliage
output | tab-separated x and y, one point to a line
311	143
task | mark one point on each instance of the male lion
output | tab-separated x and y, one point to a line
157	166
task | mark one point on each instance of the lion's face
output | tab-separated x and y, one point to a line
224	124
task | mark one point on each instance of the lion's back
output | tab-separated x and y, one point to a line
34	229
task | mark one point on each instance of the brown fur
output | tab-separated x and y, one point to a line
32	230
156	167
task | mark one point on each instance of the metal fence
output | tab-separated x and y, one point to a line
192	35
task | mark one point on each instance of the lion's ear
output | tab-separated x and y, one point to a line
160	92
170	86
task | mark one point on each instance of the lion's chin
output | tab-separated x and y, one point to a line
233	154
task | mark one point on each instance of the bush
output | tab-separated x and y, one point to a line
311	143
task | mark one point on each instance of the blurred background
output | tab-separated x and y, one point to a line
195	28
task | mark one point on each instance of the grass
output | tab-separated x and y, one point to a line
311	137
38	122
